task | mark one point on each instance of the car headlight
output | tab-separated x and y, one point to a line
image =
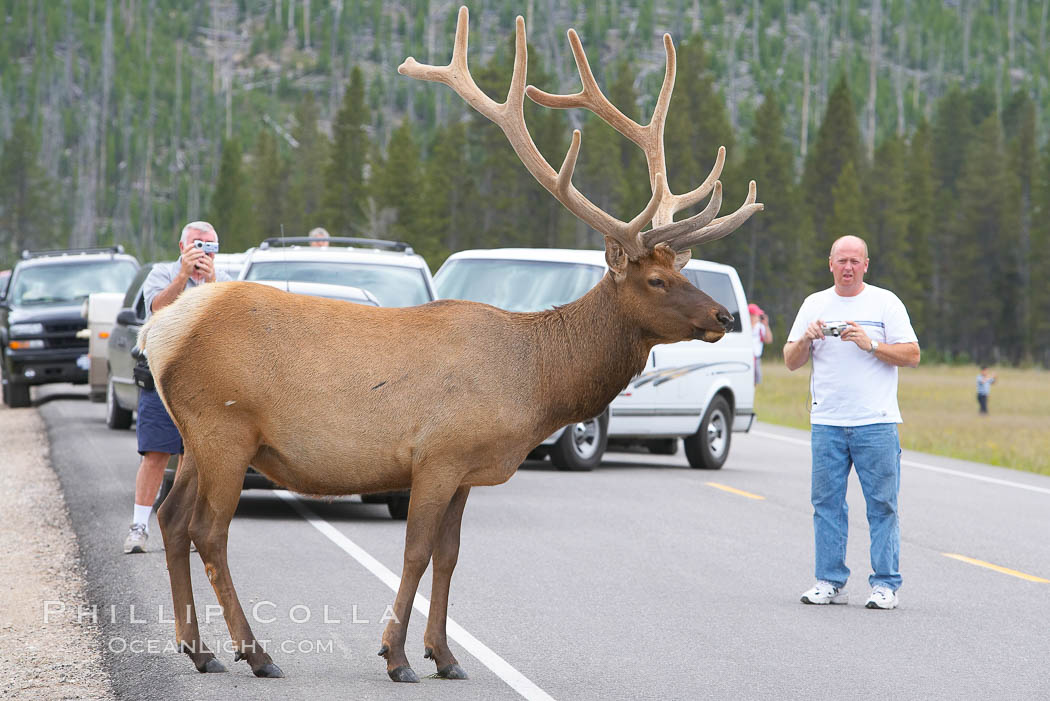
27	329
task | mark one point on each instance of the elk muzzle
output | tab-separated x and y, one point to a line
717	321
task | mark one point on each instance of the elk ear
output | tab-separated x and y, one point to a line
616	259
681	258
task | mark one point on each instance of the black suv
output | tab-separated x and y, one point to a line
42	331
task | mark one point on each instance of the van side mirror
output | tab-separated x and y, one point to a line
127	317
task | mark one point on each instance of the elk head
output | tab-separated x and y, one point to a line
644	266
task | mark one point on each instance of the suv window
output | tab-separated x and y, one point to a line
136	285
69	282
393	285
720	288
517	285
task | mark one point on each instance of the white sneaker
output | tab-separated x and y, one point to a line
882	597
136	540
825	593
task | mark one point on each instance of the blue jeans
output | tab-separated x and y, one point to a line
876	453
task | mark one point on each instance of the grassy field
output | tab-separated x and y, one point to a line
939	407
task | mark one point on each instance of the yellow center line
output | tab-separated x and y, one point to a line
734	490
997	568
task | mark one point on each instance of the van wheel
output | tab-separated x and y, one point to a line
708	448
582	445
116	416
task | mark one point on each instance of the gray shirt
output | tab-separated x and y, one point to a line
163	274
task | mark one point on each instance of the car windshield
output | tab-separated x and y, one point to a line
516	285
393	285
70	282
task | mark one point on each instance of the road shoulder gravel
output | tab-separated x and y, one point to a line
45	653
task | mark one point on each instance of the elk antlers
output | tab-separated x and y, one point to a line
509	117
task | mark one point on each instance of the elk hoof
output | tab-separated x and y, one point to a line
212	666
403	673
383	650
428	653
269	671
452	671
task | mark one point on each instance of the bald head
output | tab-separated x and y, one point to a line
851	242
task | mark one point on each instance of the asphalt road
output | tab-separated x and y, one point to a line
642	580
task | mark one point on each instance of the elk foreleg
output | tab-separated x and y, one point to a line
174	518
426	510
218	494
446	554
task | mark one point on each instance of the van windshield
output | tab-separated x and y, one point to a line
70	282
516	285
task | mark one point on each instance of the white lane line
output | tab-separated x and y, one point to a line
499	666
923	466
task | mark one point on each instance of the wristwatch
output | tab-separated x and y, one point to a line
874	346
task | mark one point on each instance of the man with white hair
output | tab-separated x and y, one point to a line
858	335
321	236
158	438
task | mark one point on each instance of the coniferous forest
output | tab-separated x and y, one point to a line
921	126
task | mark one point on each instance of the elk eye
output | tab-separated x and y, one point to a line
656	282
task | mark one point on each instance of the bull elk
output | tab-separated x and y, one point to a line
437	398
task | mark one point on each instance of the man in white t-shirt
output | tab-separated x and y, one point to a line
854	417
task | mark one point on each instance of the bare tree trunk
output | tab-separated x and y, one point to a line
804	137
107	84
902	38
1010	28
1042	29
755	29
334	86
176	137
306	24
967	20
193	200
291	19
873	76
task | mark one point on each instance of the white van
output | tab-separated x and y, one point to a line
699	392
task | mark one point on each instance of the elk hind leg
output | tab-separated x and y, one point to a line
174	518
217	497
446	554
427	506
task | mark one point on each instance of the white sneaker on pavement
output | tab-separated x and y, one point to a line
824	593
136	540
882	597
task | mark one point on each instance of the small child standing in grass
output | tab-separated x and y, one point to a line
985	380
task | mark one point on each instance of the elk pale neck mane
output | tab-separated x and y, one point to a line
586	354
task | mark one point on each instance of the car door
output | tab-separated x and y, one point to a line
123	338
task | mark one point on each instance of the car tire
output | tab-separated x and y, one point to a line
398	507
708	448
16	395
662	446
581	445
116	416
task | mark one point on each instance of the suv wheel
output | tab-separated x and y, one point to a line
582	445
708	448
116	416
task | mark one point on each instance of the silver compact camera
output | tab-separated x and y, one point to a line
208	246
834	328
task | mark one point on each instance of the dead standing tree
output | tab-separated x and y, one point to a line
437	398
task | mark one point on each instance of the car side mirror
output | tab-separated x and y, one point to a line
127	317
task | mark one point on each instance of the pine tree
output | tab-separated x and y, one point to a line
269	183
1040	291
230	210
450	198
28	214
1020	134
396	186
837	145
919	209
634	190
889	245
344	182
306	175
697	124
847	208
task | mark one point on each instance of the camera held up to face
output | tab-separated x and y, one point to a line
207	246
834	328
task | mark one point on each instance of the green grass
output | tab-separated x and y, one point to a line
939	406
